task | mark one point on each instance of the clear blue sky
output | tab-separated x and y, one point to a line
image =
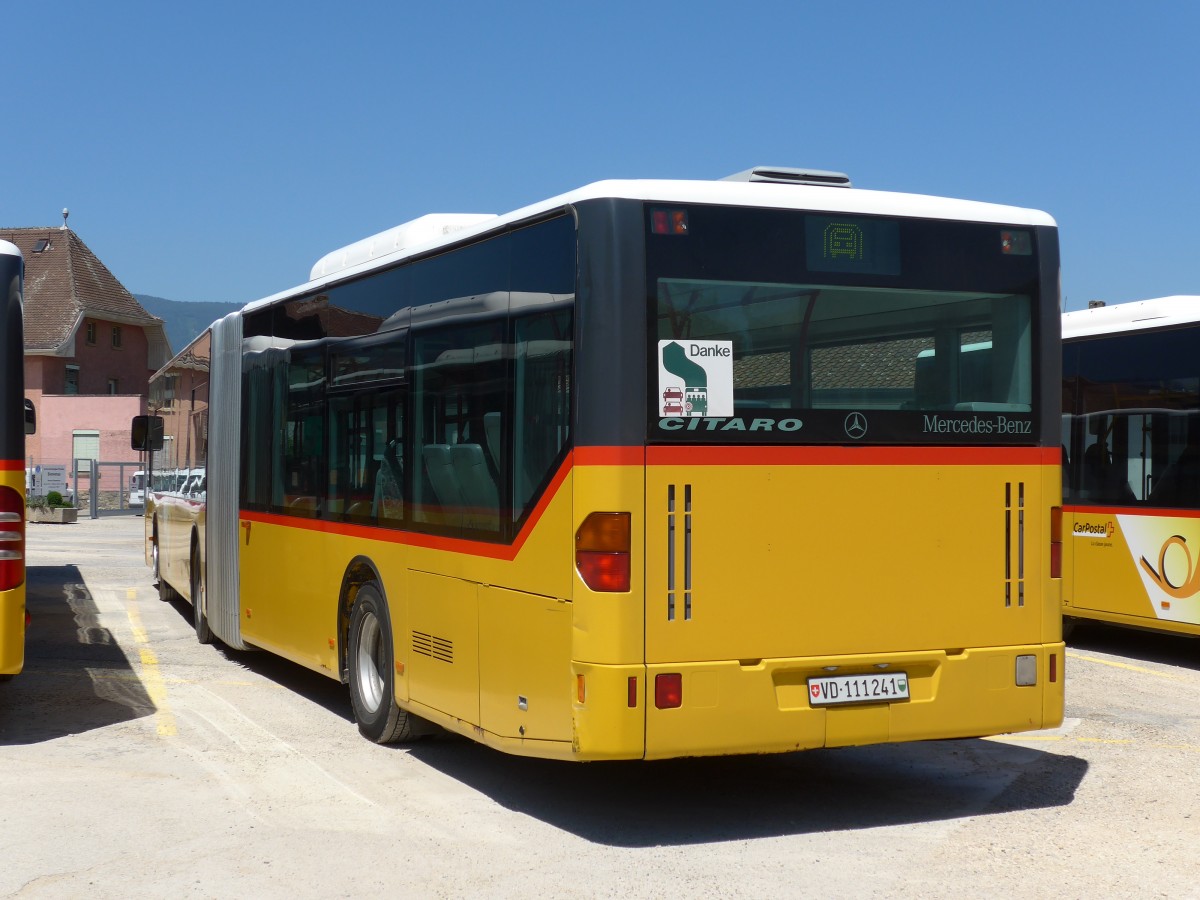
214	150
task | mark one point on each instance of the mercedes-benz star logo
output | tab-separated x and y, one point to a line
856	425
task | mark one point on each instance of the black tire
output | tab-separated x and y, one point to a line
372	688
199	611
166	593
1068	626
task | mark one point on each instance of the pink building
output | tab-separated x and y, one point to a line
90	349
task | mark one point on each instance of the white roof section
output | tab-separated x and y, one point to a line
424	230
722	193
9	249
1139	315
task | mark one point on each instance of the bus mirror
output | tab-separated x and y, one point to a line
146	433
30	418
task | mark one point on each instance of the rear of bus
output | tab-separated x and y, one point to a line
848	533
12	465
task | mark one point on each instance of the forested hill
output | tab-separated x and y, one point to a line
184	320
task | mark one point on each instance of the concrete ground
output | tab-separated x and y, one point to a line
135	761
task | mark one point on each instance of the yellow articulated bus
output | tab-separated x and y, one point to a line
650	469
16	418
1131	439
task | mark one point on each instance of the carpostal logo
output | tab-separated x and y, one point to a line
1095	529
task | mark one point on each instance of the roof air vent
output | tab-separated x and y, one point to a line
785	175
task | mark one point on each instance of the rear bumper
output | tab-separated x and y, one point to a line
732	708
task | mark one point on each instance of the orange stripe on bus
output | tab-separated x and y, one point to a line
507	552
687	456
851	456
610	456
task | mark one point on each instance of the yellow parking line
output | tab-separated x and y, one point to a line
1120	665
152	678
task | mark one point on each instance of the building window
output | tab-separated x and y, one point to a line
85	444
91	333
116	337
41	246
72	383
112	385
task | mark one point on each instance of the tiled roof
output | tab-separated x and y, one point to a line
65	281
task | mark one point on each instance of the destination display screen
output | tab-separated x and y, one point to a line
852	244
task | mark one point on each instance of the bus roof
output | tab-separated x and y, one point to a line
1139	315
427	233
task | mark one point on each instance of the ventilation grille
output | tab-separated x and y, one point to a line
789	175
1014	543
432	646
679	558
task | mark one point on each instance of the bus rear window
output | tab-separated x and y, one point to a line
867	358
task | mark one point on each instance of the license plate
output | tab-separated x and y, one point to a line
831	690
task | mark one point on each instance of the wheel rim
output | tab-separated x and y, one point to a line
197	592
154	556
370	662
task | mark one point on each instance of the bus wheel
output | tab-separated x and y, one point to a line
372	692
1068	626
199	613
165	591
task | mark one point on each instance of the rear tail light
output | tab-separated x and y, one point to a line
12	539
1056	518
602	551
1053	668
668	690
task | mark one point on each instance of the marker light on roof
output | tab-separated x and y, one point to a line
669	221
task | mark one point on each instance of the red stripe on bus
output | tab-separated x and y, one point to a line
11	465
663	456
852	456
506	552
610	456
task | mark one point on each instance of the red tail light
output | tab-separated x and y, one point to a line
1053	668
668	691
1056	516
602	551
12	539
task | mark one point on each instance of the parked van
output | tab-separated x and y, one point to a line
137	489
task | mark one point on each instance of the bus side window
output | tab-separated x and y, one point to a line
458	379
542	401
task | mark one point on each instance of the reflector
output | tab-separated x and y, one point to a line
668	690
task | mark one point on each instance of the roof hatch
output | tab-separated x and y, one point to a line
787	175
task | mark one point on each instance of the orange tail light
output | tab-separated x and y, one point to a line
602	551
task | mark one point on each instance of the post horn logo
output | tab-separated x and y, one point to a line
1191	581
